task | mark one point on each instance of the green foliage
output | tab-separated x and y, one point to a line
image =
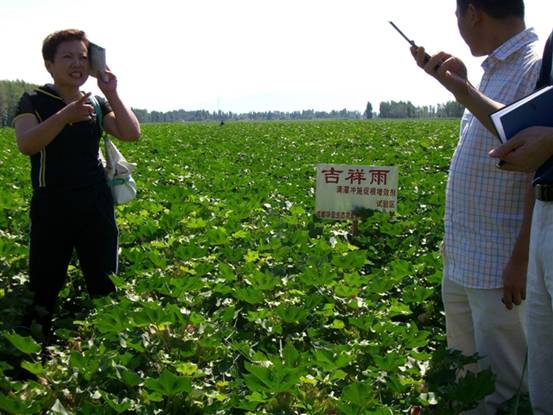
232	296
459	389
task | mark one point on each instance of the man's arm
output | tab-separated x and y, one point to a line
514	274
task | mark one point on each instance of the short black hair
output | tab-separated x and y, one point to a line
498	9
52	41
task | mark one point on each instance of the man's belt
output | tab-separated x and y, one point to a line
544	192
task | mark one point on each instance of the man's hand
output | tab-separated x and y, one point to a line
450	71
526	151
514	283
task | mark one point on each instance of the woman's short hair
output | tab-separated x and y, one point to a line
52	41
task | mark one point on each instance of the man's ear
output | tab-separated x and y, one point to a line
474	14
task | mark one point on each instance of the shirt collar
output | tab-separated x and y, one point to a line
49	90
511	46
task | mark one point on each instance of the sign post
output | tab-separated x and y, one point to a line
355	226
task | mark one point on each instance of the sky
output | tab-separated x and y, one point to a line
251	55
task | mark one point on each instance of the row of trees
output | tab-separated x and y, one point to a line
11	91
402	109
203	115
389	109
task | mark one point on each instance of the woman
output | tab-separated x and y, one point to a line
71	206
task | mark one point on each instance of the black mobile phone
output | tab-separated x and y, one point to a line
411	42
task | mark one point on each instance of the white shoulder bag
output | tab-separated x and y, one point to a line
118	170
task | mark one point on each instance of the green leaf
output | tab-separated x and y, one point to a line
263	281
4	366
272	378
195	223
257	385
111	321
84	364
292	357
12	405
359	394
130	378
337	324
117	404
153	314
249	295
34	368
346	408
398	309
345	291
251	256
292	314
168	384
187	369
26	344
351	260
473	386
364	322
338	375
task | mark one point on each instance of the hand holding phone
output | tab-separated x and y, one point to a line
411	42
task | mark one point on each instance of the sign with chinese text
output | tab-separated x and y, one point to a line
341	189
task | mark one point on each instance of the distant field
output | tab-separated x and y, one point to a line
233	297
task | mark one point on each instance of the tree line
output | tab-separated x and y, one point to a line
203	115
388	109
11	91
405	109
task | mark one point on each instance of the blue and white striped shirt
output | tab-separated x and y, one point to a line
484	205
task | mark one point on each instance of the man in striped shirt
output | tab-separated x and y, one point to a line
528	151
485	243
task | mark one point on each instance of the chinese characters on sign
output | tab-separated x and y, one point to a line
341	189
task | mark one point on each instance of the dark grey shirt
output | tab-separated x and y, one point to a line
71	160
544	175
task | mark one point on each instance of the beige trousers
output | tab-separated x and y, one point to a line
540	310
478	322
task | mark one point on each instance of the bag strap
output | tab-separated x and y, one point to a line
99	113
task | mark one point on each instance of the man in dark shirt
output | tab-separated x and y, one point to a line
529	150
